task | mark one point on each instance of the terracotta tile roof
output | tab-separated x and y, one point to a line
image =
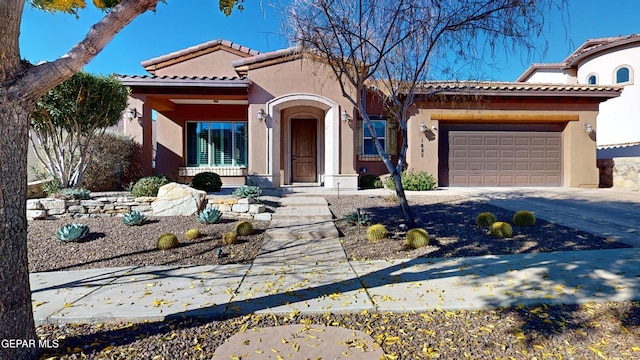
187	81
592	46
266	56
197	48
517	89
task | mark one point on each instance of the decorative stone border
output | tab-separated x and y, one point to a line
43	208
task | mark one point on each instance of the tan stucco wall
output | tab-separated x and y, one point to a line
217	63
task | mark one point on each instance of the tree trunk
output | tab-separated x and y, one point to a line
402	201
16	314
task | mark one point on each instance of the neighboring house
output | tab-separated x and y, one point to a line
279	118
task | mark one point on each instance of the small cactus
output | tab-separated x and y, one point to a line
524	218
192	234
376	232
133	218
72	232
209	216
485	219
501	229
244	228
417	238
229	238
167	241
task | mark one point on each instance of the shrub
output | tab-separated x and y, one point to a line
133	218
244	228
229	238
76	193
352	218
207	181
413	181
524	218
192	234
370	181
501	229
209	216
417	238
117	159
252	192
376	232
148	186
167	241
72	232
485	219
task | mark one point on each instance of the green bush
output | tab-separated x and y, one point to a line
352	218
370	181
376	232
501	229
116	161
413	181
524	218
252	192
148	186
417	238
485	219
76	193
167	241
207	181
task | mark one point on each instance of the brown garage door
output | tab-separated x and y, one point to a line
503	158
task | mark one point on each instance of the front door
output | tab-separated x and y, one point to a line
303	150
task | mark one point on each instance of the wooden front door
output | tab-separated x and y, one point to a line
303	150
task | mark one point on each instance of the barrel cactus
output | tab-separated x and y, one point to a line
72	232
501	229
244	228
229	238
485	219
192	234
417	238
133	218
209	216
167	241
524	218
376	232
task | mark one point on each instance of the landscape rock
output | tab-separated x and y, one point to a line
35	190
178	200
240	208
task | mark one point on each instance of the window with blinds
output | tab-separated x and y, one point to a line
215	143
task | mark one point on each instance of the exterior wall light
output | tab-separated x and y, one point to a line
588	128
261	115
423	127
132	113
344	116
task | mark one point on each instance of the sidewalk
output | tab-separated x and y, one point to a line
302	267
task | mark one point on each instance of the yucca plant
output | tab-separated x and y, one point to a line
417	238
192	234
72	232
209	216
524	218
501	229
244	228
376	232
485	219
229	238
167	241
134	218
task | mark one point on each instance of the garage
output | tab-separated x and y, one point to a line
504	158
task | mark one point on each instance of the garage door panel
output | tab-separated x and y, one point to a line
504	158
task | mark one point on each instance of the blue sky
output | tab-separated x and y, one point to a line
184	23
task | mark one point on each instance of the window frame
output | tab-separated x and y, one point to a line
365	138
594	76
617	70
210	145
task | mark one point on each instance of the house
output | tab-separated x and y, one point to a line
279	118
610	61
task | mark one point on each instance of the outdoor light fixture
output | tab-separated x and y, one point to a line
261	115
132	113
345	116
423	127
588	128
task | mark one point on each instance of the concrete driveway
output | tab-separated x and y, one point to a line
604	212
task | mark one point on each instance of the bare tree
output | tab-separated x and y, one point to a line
391	47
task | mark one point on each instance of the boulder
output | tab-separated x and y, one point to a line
178	200
35	190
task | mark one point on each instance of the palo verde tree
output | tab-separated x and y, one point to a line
69	117
390	47
21	85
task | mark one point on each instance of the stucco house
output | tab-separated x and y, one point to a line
279	118
609	61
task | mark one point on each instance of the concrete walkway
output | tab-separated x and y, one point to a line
302	267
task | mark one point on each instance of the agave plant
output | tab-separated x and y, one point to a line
72	232
133	218
209	216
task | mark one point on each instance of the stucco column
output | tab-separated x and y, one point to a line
147	140
273	145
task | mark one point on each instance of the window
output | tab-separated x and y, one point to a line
216	143
368	146
623	75
592	79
